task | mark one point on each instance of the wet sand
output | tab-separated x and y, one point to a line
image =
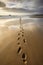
22	46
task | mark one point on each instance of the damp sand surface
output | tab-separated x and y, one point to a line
22	47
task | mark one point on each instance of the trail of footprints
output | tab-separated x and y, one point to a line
24	56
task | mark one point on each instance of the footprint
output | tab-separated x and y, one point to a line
18	33
24	57
18	38
19	50
18	43
22	35
24	40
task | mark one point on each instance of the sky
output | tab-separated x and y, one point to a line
10	4
24	4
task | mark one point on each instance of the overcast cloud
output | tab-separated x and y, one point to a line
34	5
2	4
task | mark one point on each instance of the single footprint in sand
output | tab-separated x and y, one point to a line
24	57
18	38
18	33
22	35
18	43
19	50
24	40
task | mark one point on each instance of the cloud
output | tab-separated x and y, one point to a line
2	4
18	0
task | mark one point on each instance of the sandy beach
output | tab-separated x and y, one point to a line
22	46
